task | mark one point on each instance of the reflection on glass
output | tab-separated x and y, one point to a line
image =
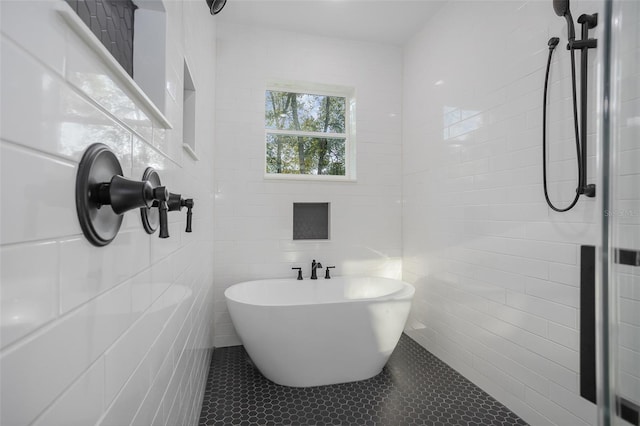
305	155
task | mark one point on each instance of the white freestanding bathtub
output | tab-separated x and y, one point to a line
319	332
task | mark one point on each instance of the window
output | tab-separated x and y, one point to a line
308	133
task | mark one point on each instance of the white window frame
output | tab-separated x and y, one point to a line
349	134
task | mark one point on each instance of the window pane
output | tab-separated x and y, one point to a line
306	156
305	112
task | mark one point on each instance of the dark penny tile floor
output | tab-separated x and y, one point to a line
414	388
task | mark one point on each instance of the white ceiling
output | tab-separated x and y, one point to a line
384	21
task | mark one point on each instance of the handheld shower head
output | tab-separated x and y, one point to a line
215	6
561	7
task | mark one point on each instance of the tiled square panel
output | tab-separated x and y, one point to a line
112	22
414	388
310	221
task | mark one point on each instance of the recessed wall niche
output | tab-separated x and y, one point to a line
134	33
112	22
189	113
310	221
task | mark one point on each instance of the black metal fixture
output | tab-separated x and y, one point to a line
99	183
315	265
157	212
627	410
176	203
326	273
299	273
561	7
215	6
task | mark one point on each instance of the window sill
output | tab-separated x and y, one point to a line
309	178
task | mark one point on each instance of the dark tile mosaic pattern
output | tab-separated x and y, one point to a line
310	221
112	22
414	388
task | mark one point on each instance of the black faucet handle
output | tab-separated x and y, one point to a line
326	274
161	196
175	202
164	225
188	203
299	272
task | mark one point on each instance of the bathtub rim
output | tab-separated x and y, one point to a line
406	292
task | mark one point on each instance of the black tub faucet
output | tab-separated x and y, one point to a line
327	276
315	265
299	272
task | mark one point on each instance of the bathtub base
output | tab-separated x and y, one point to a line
309	384
325	343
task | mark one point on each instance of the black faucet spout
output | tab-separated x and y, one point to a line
314	266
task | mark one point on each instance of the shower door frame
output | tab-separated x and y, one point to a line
607	309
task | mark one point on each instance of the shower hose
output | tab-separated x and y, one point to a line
553	42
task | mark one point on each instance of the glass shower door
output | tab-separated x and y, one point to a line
619	255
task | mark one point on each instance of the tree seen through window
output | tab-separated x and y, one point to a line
305	133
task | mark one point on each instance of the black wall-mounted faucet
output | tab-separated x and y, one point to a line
100	182
124	194
315	266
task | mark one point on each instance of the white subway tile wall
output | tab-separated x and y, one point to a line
114	335
253	217
496	271
448	196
